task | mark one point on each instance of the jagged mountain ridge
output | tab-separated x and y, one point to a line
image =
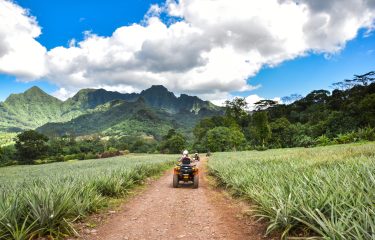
35	108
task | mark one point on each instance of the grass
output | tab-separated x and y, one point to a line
322	192
46	200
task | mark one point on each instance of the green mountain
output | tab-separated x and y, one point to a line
30	109
117	117
159	97
152	112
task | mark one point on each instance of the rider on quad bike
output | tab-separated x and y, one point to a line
185	171
196	157
185	159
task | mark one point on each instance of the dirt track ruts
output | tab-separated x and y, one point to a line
163	212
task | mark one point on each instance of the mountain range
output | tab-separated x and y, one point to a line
96	111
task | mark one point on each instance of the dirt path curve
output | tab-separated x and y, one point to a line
163	212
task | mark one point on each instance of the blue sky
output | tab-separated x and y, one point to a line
316	71
62	21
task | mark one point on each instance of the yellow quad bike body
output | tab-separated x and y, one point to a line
185	172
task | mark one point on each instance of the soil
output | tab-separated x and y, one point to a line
164	212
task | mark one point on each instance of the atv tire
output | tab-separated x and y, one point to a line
175	180
196	181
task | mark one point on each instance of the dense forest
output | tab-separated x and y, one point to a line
347	114
320	118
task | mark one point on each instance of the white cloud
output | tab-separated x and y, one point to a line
213	51
20	53
250	99
253	98
62	94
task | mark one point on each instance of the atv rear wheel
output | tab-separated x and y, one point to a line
196	181
175	180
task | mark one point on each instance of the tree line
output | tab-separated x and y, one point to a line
32	147
320	118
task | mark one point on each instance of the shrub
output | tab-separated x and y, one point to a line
305	141
366	134
90	156
125	152
323	141
346	138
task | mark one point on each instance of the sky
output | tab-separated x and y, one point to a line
216	50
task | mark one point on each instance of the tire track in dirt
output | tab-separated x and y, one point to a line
164	212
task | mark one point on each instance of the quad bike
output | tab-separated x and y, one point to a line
186	172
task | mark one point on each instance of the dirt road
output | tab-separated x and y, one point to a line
163	212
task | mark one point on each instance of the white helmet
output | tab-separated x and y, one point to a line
185	152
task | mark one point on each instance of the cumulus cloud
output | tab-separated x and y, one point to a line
210	49
250	99
253	98
20	53
62	94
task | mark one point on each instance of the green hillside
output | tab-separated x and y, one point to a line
117	117
91	111
122	118
30	109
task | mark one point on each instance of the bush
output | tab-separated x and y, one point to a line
323	141
112	152
125	152
366	134
91	156
7	155
261	148
70	157
305	141
346	138
59	158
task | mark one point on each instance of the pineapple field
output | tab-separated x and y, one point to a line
322	192
46	200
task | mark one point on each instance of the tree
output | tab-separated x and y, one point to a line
282	134
236	108
206	124
202	127
7	154
224	139
264	104
291	98
365	79
170	133
367	106
260	129
143	145
317	96
173	142
176	143
30	146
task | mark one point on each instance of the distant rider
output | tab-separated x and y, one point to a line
196	157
